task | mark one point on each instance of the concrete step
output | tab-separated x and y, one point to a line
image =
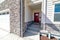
34	28
27	33
36	23
33	32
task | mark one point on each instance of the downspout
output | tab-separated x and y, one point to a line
21	18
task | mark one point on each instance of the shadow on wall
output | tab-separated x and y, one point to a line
31	30
51	25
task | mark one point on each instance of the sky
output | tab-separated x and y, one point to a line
1	1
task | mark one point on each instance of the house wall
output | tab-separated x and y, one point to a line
49	18
50	12
14	7
28	13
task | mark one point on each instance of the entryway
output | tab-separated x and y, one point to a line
32	18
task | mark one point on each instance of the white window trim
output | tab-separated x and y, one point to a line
56	22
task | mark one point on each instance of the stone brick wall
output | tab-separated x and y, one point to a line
14	6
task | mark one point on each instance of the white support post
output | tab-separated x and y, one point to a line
49	35
43	15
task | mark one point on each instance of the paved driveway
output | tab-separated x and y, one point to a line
4	35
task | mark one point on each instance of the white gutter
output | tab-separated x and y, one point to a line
21	18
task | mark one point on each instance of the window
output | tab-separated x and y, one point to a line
57	12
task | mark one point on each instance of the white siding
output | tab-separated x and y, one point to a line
50	12
28	13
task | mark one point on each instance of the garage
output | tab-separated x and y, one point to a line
4	23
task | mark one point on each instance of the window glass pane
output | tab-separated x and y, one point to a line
57	7
56	17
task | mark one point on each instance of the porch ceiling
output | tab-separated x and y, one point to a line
35	6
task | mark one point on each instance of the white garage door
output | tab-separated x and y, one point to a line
5	21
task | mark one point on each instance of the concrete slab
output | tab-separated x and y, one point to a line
3	33
35	37
10	36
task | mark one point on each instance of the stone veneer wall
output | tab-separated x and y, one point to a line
14	6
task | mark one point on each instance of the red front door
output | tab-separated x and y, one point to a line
36	17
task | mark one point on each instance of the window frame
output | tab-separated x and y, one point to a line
54	10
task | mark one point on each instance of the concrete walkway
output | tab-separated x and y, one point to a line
4	35
35	37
